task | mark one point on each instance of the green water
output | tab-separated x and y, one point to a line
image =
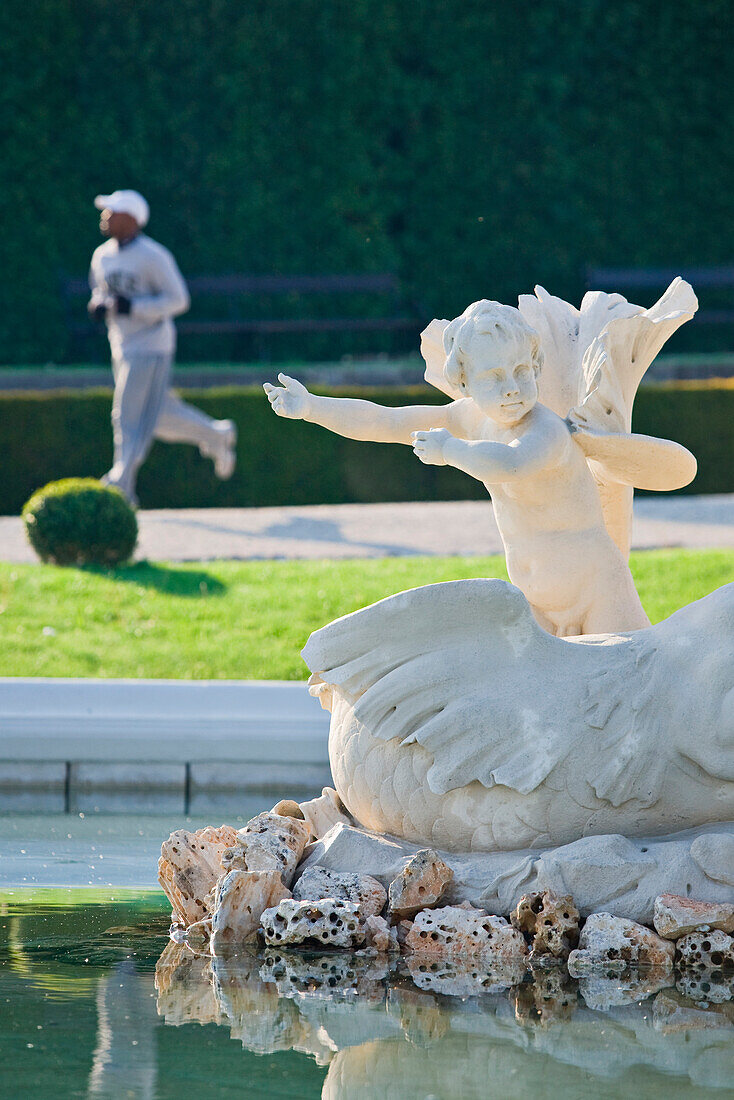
95	1001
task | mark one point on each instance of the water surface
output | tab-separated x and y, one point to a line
95	1001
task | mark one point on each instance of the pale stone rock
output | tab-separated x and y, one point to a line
363	890
329	921
614	943
380	937
287	807
420	885
676	916
269	842
455	932
189	867
550	921
672	1013
239	901
708	953
324	812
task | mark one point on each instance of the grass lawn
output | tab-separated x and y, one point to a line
247	620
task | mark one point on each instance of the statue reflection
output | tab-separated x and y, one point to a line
395	1028
124	1062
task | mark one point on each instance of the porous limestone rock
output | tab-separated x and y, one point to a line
324	812
362	890
189	867
708	953
676	916
551	922
458	932
420	885
329	921
239	901
269	842
613	943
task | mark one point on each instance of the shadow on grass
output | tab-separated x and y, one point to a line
191	583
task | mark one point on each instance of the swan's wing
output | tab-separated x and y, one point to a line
433	353
623	709
463	669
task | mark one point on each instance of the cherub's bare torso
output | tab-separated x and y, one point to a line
550	519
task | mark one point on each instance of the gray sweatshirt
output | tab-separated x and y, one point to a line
146	273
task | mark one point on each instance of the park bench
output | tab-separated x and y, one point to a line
279	304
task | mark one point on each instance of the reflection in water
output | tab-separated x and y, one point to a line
400	1029
82	1014
124	1058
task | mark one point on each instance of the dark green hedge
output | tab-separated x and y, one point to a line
50	436
474	146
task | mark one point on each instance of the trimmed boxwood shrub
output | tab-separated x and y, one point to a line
79	521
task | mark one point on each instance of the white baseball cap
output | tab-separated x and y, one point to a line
125	202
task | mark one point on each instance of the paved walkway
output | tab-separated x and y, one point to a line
380	530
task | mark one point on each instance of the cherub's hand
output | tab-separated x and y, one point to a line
429	445
290	399
582	432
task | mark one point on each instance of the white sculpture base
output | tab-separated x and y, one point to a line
603	873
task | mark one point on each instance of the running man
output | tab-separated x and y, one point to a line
137	290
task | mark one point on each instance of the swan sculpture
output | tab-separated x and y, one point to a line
457	721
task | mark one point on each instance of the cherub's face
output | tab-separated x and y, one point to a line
499	379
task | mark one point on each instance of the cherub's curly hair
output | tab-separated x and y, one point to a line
490	318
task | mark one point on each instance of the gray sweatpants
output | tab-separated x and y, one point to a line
144	409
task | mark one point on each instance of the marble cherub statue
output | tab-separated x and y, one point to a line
541	414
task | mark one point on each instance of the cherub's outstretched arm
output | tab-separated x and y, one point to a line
631	459
494	462
358	419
